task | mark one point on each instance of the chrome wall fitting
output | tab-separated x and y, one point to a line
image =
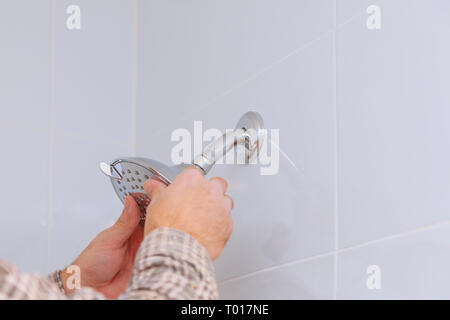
128	175
248	133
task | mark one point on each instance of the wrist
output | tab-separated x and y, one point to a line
65	279
55	277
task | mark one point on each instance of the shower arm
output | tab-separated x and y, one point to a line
249	132
220	147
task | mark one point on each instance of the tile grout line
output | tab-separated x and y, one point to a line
252	77
396	236
339	251
272	64
336	166
286	264
134	78
50	132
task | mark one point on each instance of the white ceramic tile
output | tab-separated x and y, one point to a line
414	266
24	103
24	190
308	280
393	115
289	215
93	70
84	202
192	52
25	62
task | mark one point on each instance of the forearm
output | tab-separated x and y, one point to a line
171	264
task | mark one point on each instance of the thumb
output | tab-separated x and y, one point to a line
128	220
152	187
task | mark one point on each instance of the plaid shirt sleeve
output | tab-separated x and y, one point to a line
170	264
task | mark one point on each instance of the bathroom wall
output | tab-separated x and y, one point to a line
359	207
66	105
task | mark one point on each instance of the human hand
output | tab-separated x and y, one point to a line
107	262
193	205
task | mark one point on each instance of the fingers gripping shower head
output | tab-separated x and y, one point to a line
128	175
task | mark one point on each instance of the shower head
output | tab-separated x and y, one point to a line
129	174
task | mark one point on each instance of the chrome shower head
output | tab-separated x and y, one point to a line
128	175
